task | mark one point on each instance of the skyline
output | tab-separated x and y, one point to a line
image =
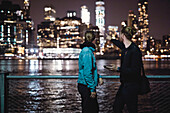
158	17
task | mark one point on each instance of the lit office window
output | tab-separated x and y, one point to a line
15	30
22	16
8	39
8	29
2	28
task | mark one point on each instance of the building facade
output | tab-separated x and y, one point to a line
100	22
143	25
49	13
69	36
85	15
16	28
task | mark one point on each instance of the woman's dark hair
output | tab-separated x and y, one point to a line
128	32
89	36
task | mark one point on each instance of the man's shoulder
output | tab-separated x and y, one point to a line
135	48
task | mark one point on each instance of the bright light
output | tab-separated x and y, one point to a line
8	21
32	50
68	27
85	15
52	19
27	37
36	50
47	8
100	16
123	24
2	28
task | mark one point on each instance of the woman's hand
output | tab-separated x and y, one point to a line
100	81
93	94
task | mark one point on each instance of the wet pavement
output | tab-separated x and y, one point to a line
61	95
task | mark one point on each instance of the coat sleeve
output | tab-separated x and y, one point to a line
87	59
118	43
135	67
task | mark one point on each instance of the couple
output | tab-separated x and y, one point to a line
130	73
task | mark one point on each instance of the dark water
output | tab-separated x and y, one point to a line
61	95
70	67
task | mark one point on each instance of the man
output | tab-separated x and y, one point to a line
88	77
130	72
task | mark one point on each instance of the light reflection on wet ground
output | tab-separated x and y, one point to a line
61	96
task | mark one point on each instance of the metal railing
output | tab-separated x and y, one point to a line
156	101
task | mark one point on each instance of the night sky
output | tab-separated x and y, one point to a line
116	11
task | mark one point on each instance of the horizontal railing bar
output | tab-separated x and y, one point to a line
75	76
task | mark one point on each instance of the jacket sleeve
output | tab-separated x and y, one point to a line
118	43
87	59
135	67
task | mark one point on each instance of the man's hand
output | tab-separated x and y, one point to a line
100	81
111	67
93	94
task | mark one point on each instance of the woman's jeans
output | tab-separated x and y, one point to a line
89	105
127	94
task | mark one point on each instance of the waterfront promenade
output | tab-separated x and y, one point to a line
58	94
43	86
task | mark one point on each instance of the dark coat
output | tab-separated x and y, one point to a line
131	62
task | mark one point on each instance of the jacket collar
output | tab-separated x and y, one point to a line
92	49
89	45
131	45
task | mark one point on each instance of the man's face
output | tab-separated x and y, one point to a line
121	37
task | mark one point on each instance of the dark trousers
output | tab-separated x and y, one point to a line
127	94
89	105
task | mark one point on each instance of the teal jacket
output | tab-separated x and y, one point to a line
88	69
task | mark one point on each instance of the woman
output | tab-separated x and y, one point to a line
130	72
88	77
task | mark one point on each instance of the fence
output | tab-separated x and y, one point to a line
58	94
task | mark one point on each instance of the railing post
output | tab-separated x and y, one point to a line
2	92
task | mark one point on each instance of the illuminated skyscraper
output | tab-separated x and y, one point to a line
29	37
132	20
62	33
158	46
85	15
47	31
100	16
26	10
113	32
166	41
143	23
16	27
8	27
47	34
70	31
49	13
100	22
